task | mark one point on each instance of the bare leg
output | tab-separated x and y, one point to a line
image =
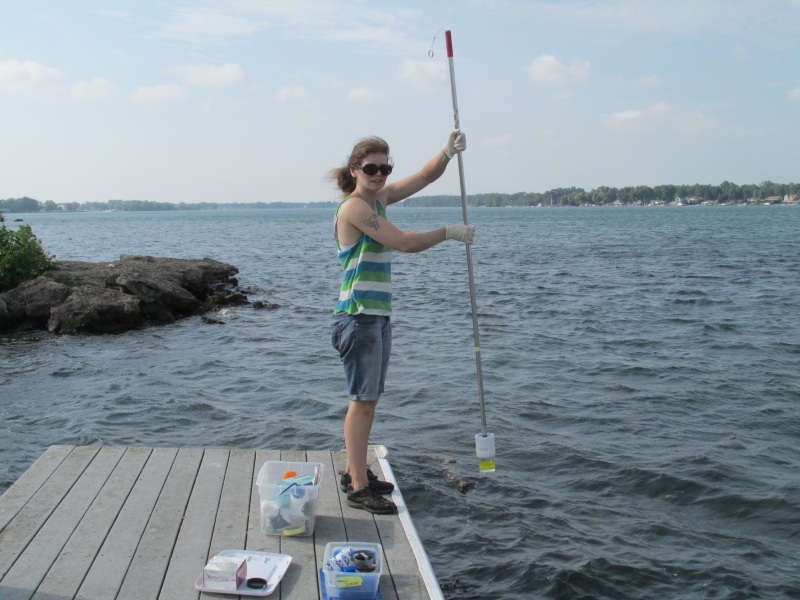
357	425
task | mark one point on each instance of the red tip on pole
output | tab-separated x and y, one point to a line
449	41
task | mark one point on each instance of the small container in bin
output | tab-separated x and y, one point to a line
288	509
355	585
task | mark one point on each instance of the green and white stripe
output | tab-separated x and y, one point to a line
367	282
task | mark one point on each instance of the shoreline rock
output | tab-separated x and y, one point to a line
83	297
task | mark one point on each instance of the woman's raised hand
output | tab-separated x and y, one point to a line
456	142
462	233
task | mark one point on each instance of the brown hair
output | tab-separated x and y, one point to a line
341	175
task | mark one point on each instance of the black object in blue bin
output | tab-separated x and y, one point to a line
364	561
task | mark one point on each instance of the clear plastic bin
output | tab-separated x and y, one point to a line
339	584
288	510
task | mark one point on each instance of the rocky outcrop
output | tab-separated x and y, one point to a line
82	297
96	310
28	305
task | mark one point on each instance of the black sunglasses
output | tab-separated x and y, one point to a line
371	169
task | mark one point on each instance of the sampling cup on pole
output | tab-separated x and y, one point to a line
484	442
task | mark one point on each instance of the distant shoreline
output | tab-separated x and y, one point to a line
726	193
401	205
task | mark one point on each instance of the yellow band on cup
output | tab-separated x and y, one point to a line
300	529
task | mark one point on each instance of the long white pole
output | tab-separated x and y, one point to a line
449	41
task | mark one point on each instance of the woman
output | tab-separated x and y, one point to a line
361	329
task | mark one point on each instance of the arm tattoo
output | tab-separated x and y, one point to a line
373	222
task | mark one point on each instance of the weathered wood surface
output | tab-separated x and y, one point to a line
92	523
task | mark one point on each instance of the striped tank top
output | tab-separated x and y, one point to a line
367	282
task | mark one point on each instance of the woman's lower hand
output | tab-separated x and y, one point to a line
456	142
462	233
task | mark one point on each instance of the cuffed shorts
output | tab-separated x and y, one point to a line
364	343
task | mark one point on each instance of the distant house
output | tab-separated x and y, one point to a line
773	199
791	198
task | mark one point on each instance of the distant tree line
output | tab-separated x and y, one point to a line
29	205
724	192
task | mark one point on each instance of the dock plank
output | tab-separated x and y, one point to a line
75	560
30	568
300	581
111	564
149	566
23	489
400	559
19	532
359	525
230	528
256	540
190	553
329	525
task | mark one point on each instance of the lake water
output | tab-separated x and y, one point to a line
642	375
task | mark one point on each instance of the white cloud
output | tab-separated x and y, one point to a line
159	94
380	36
425	75
302	19
794	95
363	94
660	114
616	119
679	17
191	25
740	54
27	77
650	82
498	140
96	89
548	69
114	14
227	74
658	109
625	119
294	94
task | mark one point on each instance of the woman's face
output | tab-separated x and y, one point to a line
371	182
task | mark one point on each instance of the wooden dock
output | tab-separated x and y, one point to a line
96	523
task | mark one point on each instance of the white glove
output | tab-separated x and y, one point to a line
462	233
456	142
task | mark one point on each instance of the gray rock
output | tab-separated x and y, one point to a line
225	298
453	480
96	310
28	305
266	305
82	297
161	299
211	321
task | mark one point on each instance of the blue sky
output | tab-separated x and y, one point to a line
237	100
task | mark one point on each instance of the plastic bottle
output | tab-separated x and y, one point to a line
484	448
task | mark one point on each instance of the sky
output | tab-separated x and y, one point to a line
254	101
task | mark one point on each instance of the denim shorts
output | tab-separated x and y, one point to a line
364	343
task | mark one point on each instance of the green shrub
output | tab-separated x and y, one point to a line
21	257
